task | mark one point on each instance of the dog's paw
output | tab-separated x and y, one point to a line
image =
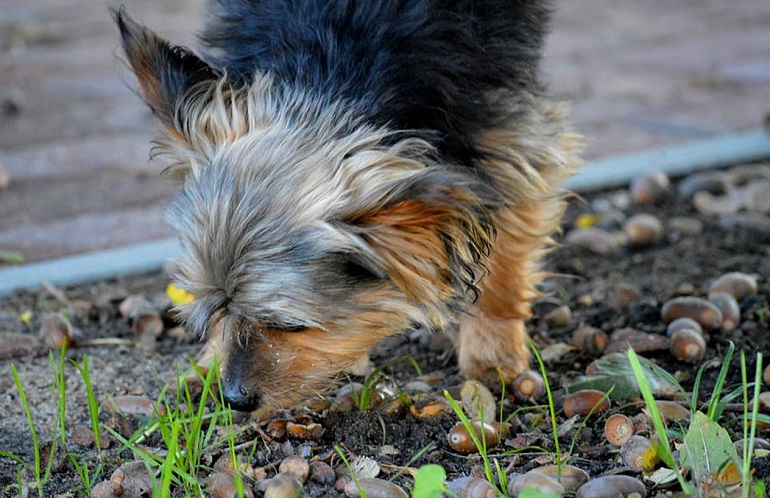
493	351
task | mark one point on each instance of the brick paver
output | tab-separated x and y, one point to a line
75	139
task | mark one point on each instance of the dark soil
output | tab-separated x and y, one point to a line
681	264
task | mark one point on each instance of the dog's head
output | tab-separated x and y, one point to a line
308	235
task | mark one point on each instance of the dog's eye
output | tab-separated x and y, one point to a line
358	271
294	328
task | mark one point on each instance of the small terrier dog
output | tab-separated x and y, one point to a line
354	169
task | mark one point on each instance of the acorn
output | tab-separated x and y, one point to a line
543	483
590	340
56	331
585	402
569	476
731	312
632	452
322	473
296	466
222	485
737	284
671	411
711	182
683	323
374	488
471	487
650	188
528	385
706	314
593	239
558	317
643	230
461	441
281	486
688	345
611	486
618	429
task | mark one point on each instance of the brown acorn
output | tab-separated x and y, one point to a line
683	323
731	312
688	345
650	188
643	230
585	402
737	284
590	340
706	314
618	429
528	385
461	441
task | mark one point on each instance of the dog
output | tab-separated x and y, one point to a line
351	170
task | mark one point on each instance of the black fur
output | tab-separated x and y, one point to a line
422	65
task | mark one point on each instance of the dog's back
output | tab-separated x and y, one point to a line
427	65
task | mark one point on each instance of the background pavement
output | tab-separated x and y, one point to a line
75	140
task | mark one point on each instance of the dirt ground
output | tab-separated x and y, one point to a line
610	292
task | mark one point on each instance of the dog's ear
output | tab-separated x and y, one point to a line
433	235
165	72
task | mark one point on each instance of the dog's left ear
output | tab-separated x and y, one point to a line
165	72
433	236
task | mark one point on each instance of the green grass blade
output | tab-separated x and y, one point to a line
551	409
657	420
713	412
31	423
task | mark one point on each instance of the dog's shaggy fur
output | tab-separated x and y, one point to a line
353	169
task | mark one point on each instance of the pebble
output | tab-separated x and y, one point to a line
15	345
686	227
752	227
131	404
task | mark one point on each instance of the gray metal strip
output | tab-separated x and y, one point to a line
89	267
676	160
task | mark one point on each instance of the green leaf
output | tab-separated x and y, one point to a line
615	370
429	482
707	447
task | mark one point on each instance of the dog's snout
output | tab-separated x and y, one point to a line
237	380
238	397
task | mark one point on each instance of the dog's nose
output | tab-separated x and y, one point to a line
237	397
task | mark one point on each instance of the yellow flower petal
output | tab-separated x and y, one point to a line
177	295
25	316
